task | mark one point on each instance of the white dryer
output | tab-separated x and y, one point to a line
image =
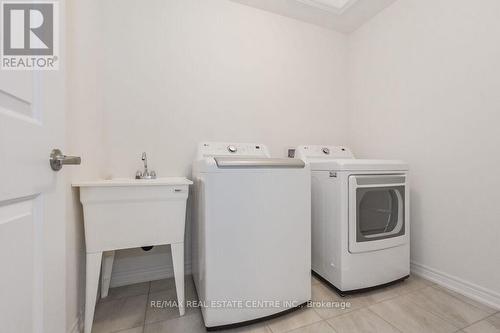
360	218
251	233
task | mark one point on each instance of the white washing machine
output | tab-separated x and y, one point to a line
251	233
360	218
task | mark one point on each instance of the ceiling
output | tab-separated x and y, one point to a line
341	15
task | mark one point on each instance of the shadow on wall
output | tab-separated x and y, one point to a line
75	254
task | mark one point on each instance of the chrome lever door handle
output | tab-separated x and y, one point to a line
58	159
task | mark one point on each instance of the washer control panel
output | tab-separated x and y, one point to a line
324	152
207	149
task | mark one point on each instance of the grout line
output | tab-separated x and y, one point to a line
333	328
344	314
165	320
446	319
146	310
477	321
407	291
440	316
310	324
277	319
368	304
465	299
387	321
469	301
108	299
396	295
126	329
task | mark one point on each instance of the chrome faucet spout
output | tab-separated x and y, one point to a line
146	174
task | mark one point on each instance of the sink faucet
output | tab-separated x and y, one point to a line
146	174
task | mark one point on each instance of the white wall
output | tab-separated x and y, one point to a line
181	72
84	138
178	72
425	88
161	76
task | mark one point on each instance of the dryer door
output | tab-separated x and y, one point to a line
378	212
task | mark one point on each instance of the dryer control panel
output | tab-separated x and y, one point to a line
209	149
323	152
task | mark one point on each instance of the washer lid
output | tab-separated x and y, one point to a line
358	165
249	162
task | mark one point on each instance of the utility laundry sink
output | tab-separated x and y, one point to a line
128	213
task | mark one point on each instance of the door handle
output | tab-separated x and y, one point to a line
58	159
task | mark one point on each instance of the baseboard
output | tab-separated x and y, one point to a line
143	275
471	290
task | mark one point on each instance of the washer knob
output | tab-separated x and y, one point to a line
232	149
326	151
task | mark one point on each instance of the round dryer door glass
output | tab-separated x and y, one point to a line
380	213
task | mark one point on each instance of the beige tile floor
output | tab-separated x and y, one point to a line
415	305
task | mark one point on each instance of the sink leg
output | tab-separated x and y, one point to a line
178	261
107	267
91	284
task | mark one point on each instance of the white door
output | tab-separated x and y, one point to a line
32	205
